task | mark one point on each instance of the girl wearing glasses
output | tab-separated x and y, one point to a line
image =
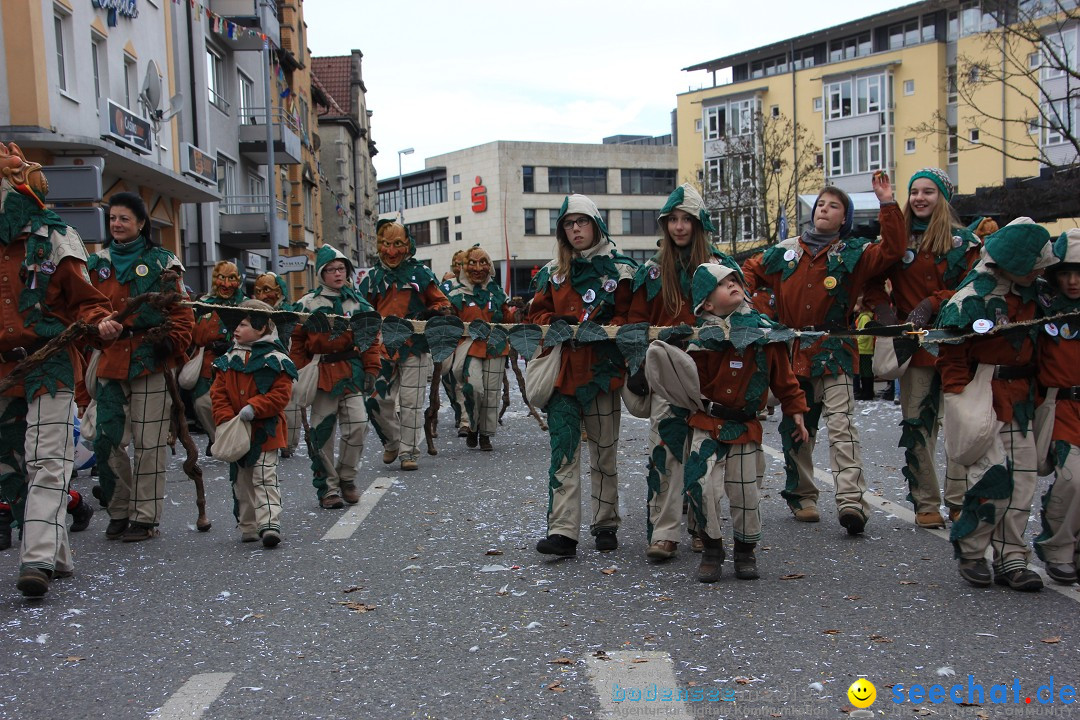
476	296
588	280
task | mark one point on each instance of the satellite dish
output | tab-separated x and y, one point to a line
176	104
151	89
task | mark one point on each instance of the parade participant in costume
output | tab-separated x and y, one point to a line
133	403
271	289
254	382
816	278
403	287
211	335
49	290
1001	463
1058	545
588	280
477	296
346	377
940	252
451	384
727	434
662	298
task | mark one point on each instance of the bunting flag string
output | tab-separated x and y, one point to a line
220	25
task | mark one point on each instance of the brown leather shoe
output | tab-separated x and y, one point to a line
389	456
696	545
349	493
410	465
662	550
954	514
930	519
332	501
808	514
485	443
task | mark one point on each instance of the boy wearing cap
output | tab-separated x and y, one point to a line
402	286
816	279
272	290
1059	367
254	381
727	434
1000	484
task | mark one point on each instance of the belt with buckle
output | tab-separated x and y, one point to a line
14	355
1069	393
339	356
1014	372
722	412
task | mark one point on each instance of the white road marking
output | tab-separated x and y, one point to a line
194	697
908	516
624	679
344	528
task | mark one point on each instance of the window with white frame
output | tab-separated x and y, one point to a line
309	206
226	182
1060	121
729	119
98	65
131	82
909	87
970	18
909	146
817	104
952	144
215	79
738	224
1061	54
246	87
855	155
61	33
850	47
855	96
950	84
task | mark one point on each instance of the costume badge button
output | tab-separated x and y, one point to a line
957	241
654	272
982	325
1067	332
557	279
736	364
48	267
104	273
1051	329
610	285
909	257
789	255
141	270
589	295
829	282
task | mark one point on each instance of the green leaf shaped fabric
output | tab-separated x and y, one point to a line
443	334
395	332
558	332
590	332
365	329
525	339
633	341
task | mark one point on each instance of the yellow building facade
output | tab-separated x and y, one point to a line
892	92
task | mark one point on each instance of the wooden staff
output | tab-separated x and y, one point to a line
431	415
521	387
178	418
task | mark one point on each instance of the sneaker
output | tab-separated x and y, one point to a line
852	520
6	518
332	501
33	582
410	465
80	516
931	520
471	439
606	541
712	561
696	544
137	532
808	514
249	536
389	456
976	572
349	493
115	529
270	538
557	545
662	550
1022	579
745	561
485	443
1064	573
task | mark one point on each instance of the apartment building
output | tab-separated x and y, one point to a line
895	91
506	196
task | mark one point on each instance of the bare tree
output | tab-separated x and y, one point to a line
755	177
1032	56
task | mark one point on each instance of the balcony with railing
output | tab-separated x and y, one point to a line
260	15
244	224
287	144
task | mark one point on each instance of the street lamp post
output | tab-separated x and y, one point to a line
401	185
513	263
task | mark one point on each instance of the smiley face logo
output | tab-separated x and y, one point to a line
862	693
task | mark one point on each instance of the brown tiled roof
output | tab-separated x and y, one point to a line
320	95
333	73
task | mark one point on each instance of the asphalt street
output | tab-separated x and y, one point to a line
428	600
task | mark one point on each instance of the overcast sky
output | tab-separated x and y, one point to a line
442	76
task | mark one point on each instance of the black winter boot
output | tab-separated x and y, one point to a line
712	560
745	561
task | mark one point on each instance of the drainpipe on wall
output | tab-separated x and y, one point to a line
195	139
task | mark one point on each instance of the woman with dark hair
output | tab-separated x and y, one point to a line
940	252
662	297
132	400
588	280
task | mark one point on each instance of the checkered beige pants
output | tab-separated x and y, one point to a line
48	454
258	498
732	474
835	395
1058	542
485	376
204	413
915	386
350	414
665	503
601	419
139	495
401	412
